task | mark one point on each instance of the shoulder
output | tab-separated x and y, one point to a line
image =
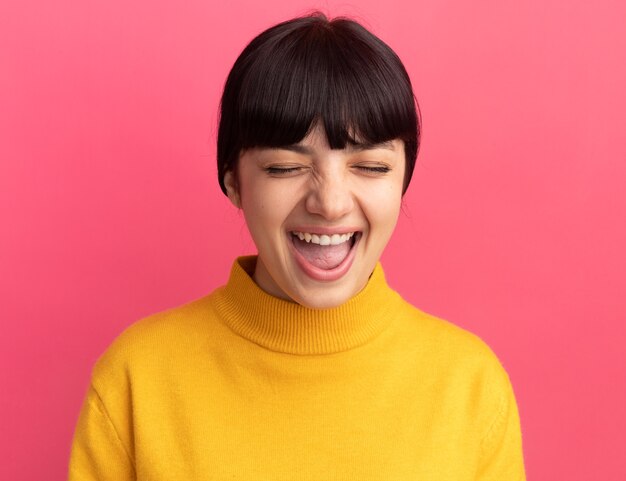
455	353
156	341
461	369
442	335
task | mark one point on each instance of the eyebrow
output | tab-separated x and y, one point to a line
355	147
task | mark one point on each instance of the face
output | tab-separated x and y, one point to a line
320	218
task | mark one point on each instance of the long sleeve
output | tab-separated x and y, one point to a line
97	451
501	449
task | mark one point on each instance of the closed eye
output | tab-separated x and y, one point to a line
282	170
377	169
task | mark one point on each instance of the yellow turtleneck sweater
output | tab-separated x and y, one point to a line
240	385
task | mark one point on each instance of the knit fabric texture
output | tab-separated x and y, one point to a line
240	385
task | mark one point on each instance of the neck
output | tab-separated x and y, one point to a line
284	326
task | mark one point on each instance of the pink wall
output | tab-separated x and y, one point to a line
514	227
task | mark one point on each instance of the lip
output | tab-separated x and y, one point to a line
325	275
324	230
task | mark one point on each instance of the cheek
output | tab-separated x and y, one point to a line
265	209
382	207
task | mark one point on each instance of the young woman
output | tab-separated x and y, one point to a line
306	365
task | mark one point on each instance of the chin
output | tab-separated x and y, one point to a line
324	303
324	297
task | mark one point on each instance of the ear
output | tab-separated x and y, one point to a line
232	188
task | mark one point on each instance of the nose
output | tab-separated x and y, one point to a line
330	197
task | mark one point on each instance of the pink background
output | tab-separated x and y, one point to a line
514	225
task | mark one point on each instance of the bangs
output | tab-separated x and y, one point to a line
308	78
336	74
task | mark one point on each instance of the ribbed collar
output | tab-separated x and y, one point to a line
288	327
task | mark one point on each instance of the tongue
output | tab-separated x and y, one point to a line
324	257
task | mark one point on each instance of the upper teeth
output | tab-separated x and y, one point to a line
323	239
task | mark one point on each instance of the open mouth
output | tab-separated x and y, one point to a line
324	256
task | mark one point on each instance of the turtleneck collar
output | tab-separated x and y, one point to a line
288	327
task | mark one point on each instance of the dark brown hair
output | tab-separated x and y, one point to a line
311	69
